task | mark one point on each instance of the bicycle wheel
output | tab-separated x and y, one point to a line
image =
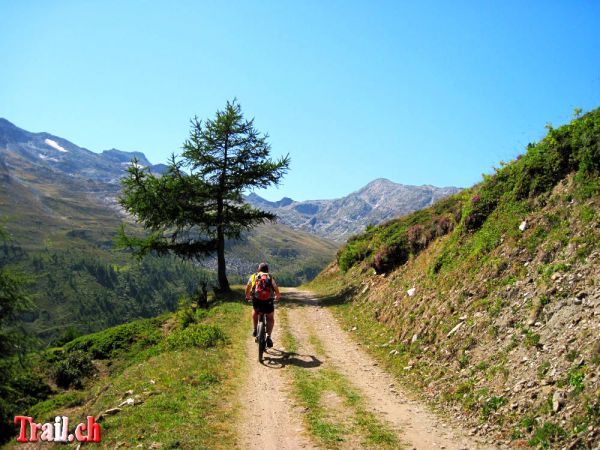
262	339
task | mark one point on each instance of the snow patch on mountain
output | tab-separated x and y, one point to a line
55	145
48	158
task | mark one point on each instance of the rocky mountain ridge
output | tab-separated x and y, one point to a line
19	147
338	219
32	158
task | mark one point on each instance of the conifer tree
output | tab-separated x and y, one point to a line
197	203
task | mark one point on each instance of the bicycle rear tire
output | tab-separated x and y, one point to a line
262	340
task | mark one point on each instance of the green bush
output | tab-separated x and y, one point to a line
544	436
575	379
355	251
197	335
43	410
188	315
119	339
72	369
20	388
389	257
389	245
491	405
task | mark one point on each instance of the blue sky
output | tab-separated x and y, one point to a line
417	92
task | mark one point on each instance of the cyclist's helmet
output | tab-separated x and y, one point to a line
263	267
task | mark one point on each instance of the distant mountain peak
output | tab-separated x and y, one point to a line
6	123
337	219
121	156
285	201
257	200
377	181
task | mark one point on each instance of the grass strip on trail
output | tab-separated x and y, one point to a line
335	412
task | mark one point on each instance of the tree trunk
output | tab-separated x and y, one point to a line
221	272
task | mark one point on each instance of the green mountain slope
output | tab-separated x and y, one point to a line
63	241
169	381
294	256
488	303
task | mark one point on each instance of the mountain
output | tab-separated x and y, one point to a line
59	204
488	302
41	151
378	201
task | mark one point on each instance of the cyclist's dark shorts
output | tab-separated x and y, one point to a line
264	306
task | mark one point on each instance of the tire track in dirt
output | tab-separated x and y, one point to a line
417	426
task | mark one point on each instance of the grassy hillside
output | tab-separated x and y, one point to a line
180	370
488	303
294	256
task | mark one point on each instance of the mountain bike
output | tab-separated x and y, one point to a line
261	335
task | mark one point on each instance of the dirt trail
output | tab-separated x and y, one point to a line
272	422
269	420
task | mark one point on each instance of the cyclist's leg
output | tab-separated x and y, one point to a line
270	322
254	318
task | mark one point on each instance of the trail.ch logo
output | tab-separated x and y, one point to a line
57	431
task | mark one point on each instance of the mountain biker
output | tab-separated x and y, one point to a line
265	306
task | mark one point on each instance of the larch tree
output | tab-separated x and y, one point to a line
197	204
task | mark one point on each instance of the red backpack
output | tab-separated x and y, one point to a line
263	288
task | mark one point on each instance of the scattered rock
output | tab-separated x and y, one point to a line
523	225
455	329
127	393
411	292
128	402
414	338
551	290
558	400
112	411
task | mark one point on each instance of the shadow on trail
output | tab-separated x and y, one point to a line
294	300
278	359
298	299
